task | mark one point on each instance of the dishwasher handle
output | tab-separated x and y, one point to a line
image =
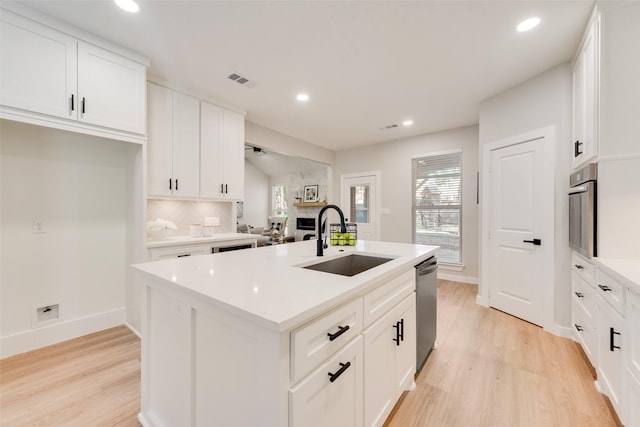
428	266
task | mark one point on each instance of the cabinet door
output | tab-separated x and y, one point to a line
318	401
159	141
111	90
586	98
390	360
611	344
632	397
186	146
633	332
211	162
233	143
38	68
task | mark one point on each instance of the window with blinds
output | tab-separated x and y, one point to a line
437	203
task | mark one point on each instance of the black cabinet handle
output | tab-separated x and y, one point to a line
170	184
604	288
536	242
578	266
73	106
183	255
176	184
343	367
222	188
576	148
401	329
578	327
397	328
612	334
579	295
83	102
341	330
226	189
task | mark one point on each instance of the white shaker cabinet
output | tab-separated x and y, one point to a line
53	79
585	97
222	153
583	305
610	367
632	372
173	147
390	360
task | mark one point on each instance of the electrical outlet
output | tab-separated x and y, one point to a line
37	226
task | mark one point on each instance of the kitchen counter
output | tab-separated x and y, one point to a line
626	271
266	285
188	240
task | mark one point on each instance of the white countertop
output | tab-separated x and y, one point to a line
266	284
626	271
188	240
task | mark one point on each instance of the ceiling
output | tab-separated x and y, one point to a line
364	64
274	164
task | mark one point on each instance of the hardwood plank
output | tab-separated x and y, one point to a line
489	369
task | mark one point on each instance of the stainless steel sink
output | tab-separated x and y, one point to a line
349	265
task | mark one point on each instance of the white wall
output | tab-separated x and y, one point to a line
393	160
78	186
542	101
257	196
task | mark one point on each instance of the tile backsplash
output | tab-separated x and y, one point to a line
183	213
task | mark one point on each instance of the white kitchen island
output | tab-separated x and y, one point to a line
250	338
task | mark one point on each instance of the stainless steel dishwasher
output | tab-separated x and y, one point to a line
426	308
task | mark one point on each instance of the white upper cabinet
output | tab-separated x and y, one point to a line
195	149
222	153
38	67
53	79
585	98
111	90
173	149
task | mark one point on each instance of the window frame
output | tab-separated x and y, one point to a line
415	207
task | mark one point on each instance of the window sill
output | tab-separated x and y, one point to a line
450	266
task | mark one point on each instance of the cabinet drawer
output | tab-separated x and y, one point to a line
178	251
584	332
319	401
382	299
583	295
314	342
584	268
611	291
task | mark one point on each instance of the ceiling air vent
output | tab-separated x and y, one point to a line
240	79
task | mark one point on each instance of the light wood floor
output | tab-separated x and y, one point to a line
490	369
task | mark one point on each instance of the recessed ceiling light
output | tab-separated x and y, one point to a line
407	123
528	24
128	5
302	97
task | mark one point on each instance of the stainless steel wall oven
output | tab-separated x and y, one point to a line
583	198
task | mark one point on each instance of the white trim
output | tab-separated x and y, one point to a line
63	331
132	329
377	175
561	331
450	266
619	157
455	278
548	136
437	153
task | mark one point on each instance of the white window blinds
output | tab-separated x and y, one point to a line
437	203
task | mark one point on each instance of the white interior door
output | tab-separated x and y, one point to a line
359	203
518	202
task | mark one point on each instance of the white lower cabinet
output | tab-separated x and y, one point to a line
178	251
390	360
632	400
332	394
610	351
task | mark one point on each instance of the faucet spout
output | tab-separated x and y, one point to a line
343	227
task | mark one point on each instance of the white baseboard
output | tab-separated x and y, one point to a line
561	331
58	332
134	330
457	278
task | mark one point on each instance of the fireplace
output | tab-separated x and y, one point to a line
306	224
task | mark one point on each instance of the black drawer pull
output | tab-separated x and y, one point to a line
341	330
604	288
576	148
343	367
183	255
612	334
578	327
578	266
579	295
536	242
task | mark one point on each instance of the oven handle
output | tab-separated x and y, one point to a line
578	189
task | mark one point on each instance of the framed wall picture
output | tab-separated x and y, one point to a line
310	193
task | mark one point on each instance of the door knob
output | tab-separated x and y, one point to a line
536	242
